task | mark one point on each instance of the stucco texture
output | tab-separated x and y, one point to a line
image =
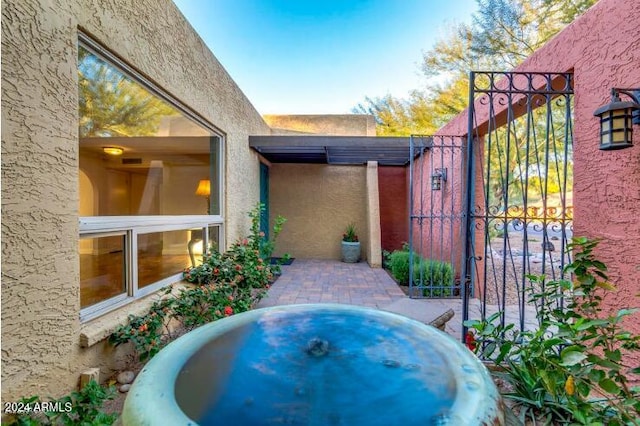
602	48
40	267
319	201
338	124
394	207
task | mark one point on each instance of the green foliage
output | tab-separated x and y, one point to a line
426	272
111	104
181	313
246	263
399	117
572	369
386	259
502	34
350	235
226	284
267	246
82	407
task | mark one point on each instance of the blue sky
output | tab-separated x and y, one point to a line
322	56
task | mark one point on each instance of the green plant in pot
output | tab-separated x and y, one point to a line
350	245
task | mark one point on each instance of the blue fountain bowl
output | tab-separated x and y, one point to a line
322	364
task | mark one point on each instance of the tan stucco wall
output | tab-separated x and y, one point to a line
319	201
374	245
40	264
338	124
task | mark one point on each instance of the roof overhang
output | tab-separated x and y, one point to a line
343	150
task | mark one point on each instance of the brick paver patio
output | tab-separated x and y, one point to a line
331	281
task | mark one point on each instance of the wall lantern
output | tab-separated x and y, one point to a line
112	150
617	119
439	176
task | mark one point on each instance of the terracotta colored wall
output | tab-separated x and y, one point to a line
439	236
394	206
606	183
319	201
41	351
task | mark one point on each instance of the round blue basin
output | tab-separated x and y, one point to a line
322	364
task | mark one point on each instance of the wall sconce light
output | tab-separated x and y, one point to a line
438	176
617	119
204	190
112	150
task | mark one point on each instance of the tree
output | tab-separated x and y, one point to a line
502	34
111	104
398	117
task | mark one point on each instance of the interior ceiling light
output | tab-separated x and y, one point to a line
112	150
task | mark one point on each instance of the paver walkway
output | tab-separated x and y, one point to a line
328	281
331	281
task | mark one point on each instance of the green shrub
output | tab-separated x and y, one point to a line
82	407
246	263
426	272
572	369
399	266
226	284
190	308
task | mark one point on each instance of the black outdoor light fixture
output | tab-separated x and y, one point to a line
438	176
617	119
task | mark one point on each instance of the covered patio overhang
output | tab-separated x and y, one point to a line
336	150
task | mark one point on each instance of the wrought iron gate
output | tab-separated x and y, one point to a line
436	177
518	209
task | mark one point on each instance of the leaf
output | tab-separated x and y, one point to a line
593	323
624	312
613	355
571	357
606	285
609	385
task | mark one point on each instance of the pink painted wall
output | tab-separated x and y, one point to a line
394	207
439	237
602	48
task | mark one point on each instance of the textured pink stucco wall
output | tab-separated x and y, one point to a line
439	237
602	48
394	213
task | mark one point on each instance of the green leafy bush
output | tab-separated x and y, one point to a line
246	263
426	272
190	308
572	369
82	407
226	284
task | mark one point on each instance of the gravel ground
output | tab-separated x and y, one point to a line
513	268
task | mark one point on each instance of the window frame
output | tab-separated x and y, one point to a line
132	226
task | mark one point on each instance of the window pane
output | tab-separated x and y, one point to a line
102	271
214	237
139	155
163	254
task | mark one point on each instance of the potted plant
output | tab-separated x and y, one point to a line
350	245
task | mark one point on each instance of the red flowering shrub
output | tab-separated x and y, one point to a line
228	283
246	263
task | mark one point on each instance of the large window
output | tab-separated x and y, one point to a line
150	183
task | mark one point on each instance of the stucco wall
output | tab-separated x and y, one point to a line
606	193
40	272
440	237
394	206
326	124
319	201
